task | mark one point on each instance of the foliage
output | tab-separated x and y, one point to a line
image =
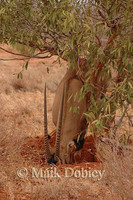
95	37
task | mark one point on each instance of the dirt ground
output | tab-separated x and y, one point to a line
22	143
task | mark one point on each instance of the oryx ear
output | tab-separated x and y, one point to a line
59	125
47	149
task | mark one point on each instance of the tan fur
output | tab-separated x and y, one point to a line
73	123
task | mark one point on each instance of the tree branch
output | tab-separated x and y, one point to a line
23	55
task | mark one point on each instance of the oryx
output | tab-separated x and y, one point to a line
71	126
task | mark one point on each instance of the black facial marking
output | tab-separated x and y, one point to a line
79	144
52	160
49	137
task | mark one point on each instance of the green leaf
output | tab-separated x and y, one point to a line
26	65
20	75
47	70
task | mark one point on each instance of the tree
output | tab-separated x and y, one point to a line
94	37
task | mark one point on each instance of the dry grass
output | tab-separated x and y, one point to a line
21	121
118	164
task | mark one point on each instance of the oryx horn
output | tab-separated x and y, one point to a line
47	149
59	125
